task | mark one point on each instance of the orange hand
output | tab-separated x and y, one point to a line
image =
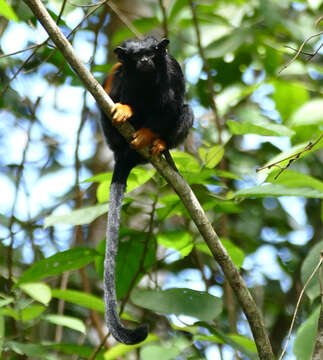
142	138
121	113
158	147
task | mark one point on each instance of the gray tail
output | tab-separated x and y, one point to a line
117	189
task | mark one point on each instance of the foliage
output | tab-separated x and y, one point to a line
55	181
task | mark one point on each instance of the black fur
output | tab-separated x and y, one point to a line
151	81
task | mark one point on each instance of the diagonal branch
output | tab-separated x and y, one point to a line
174	178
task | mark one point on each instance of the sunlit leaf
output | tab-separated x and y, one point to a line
80	298
6	301
77	217
289	96
181	241
310	113
67	321
260	128
211	156
7	11
185	161
138	176
38	291
276	190
120	350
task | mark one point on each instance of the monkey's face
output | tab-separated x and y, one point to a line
142	56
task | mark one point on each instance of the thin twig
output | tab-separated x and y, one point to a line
297	306
300	50
207	69
124	19
23	50
291	158
164	17
317	21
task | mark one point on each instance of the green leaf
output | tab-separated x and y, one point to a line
30	350
244	341
80	298
6	301
78	217
167	351
31	312
308	266
229	43
172	206
204	176
7	11
237	255
54	265
305	337
212	156
185	161
26	314
175	9
288	97
311	113
177	301
10	312
130	260
276	190
67	321
138	176
295	179
291	152
74	349
181	241
38	291
261	128
120	350
244	346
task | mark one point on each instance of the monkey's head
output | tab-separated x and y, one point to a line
142	56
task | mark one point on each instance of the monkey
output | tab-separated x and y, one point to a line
148	88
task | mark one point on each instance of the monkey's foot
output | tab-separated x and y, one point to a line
158	147
142	138
121	113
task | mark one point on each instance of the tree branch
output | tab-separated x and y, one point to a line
175	179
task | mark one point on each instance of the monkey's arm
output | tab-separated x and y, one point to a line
122	112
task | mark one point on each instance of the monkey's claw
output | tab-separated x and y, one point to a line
142	138
158	147
121	113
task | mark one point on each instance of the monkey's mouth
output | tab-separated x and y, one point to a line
145	67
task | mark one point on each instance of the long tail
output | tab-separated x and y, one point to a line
117	189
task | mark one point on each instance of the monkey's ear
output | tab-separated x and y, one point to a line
162	45
120	51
